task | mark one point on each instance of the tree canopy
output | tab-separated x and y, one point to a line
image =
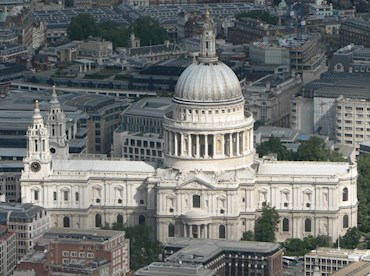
363	193
147	29
267	224
143	250
274	145
82	26
298	247
312	150
247	236
315	150
261	15
351	239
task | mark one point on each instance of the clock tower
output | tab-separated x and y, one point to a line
38	159
56	125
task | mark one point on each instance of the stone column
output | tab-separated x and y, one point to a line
206	141
182	144
189	145
231	144
242	150
198	231
170	145
176	144
250	140
190	230
197	146
214	146
237	144
185	231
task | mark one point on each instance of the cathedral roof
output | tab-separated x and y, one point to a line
294	168
103	166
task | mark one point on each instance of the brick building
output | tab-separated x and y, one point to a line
79	251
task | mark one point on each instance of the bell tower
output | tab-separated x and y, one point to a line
38	159
56	125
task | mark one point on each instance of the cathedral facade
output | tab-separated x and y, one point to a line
210	184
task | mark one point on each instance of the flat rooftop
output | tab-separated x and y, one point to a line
360	268
329	252
200	251
175	269
153	107
336	84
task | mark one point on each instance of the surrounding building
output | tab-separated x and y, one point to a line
356	31
268	98
248	30
140	135
210	184
335	106
29	222
352	59
321	7
326	261
20	21
8	259
95	49
304	55
178	269
358	268
227	257
10	53
104	117
78	252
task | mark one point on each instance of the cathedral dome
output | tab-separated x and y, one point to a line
208	82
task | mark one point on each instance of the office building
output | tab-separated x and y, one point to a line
329	260
29	222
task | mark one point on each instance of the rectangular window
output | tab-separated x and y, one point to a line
36	195
55	195
77	196
66	195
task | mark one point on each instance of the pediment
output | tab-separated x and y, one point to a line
195	183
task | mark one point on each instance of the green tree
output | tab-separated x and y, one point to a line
149	31
247	236
295	247
363	193
323	241
82	26
112	31
351	239
273	145
267	224
298	247
315	150
143	250
261	15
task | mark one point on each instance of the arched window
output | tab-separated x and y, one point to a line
307	225
345	194
345	221
141	219
285	225
119	219
222	232
66	222
98	220
196	201
171	230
